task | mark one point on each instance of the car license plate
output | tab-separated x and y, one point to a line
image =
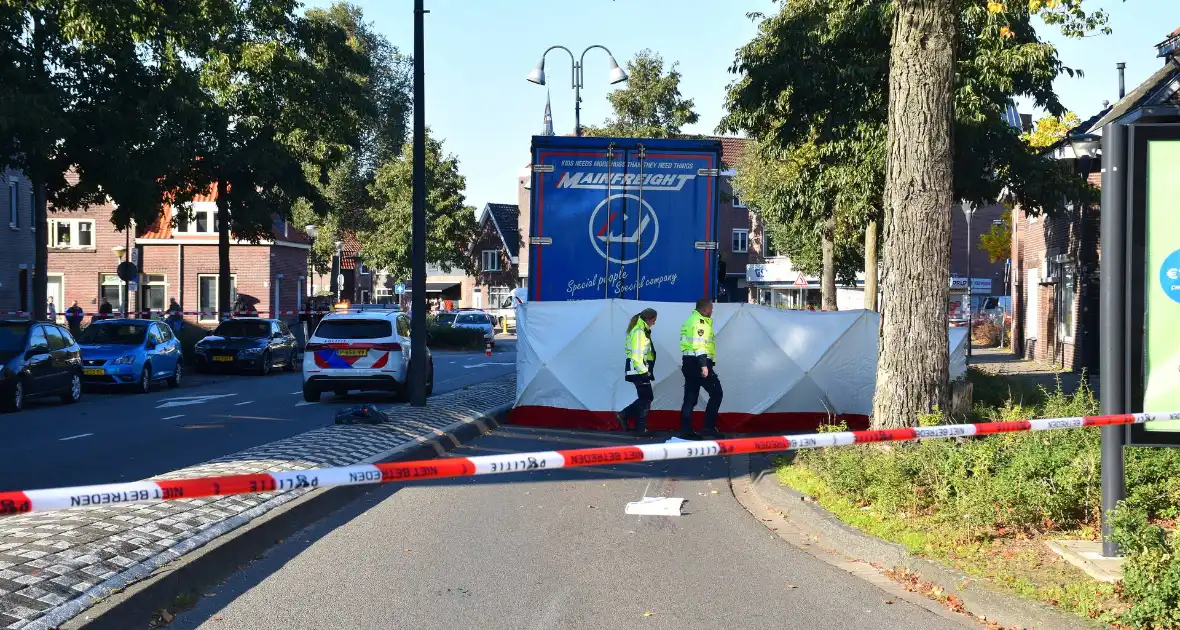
225	358
352	352
94	372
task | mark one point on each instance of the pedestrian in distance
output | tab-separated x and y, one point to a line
699	366
74	316
175	317
640	370
104	312
50	311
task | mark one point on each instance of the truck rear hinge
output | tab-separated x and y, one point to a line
540	240
706	244
547	168
708	172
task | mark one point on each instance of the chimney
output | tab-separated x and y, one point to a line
1122	79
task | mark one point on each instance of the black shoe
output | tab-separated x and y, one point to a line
644	433
692	436
622	419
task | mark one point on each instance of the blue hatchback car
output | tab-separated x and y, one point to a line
130	352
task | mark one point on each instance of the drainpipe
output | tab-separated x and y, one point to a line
1122	67
180	275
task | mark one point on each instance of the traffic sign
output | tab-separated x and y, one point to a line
399	289
127	271
801	280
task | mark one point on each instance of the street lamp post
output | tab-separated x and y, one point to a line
968	213
616	76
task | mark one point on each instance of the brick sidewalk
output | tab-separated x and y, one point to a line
1002	362
56	564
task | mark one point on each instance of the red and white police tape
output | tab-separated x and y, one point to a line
21	502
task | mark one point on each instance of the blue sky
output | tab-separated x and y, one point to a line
478	53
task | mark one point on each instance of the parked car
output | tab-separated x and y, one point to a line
38	359
248	342
367	351
478	320
132	352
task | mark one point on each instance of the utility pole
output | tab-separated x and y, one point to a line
417	376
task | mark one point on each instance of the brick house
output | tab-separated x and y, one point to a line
17	251
1055	259
176	259
497	255
359	279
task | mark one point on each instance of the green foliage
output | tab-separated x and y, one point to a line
189	336
450	337
1050	130
997	241
651	105
1151	572
1023	483
451	226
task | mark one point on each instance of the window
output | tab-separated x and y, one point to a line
354	329
207	295
110	290
37	341
200	217
71	233
499	297
283	329
252	328
362	268
65	334
741	241
164	332
737	200
403	326
491	260
56	342
13	206
154	287
1067	288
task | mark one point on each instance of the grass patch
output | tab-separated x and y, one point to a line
986	505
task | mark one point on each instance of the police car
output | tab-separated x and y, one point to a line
362	349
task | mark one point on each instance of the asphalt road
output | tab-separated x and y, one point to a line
548	550
112	436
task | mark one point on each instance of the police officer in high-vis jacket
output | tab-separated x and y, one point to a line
640	370
699	352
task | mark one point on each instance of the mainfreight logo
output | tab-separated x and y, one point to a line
624	181
612	231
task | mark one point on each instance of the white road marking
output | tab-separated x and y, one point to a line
174	417
305	403
243	403
298	392
190	400
476	365
74	437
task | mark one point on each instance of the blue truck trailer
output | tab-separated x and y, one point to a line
628	218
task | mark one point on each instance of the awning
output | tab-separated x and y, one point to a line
434	287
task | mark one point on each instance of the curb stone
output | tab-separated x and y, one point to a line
248	535
830	532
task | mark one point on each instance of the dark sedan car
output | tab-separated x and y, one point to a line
38	359
248	342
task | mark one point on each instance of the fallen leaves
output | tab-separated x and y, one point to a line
648	613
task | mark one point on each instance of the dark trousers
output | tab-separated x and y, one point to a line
641	406
693	382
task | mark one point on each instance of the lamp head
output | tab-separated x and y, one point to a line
616	73
538	74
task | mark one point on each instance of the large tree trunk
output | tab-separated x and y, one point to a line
912	370
872	231
828	279
224	275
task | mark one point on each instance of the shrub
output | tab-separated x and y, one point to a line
1151	571
189	336
986	334
455	338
